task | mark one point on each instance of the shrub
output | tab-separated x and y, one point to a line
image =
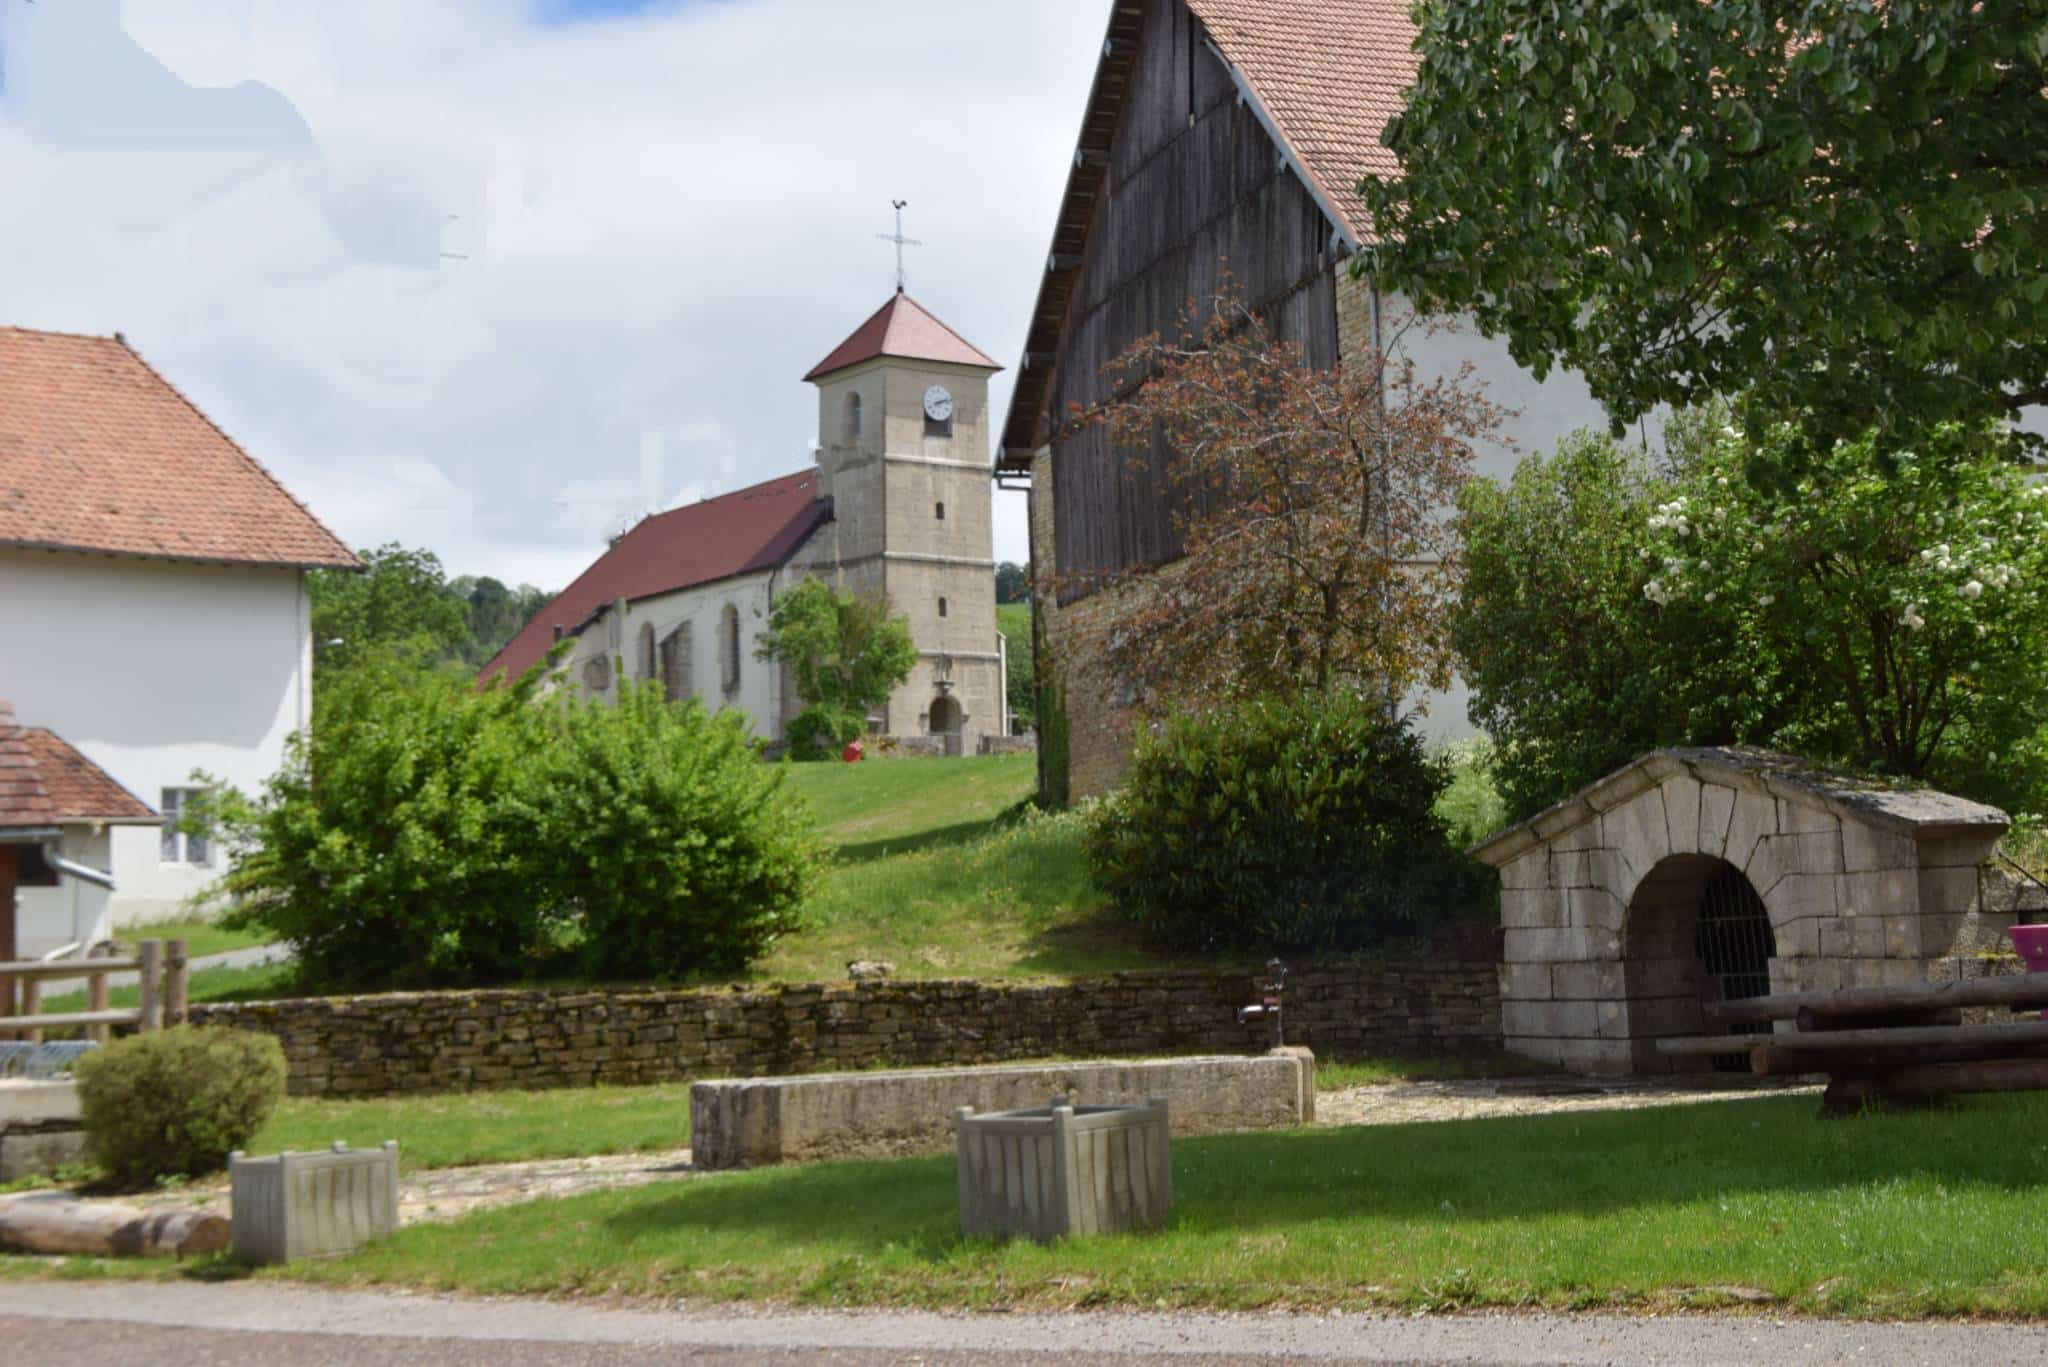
1289	826
397	844
684	851
176	1103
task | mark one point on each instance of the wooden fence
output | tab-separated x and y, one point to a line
161	970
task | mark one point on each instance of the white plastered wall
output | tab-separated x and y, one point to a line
153	670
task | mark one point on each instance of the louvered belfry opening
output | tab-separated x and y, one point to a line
1732	937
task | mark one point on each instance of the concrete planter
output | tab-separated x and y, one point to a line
1063	1169
303	1205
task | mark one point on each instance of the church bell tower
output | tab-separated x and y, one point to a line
903	453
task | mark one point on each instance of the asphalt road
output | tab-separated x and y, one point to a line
57	1324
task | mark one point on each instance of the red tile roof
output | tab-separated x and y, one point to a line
24	801
98	452
904	329
737	533
1330	74
80	789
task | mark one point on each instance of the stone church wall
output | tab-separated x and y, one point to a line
463	1041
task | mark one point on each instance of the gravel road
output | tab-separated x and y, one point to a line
55	1323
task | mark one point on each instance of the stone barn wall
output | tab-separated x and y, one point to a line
1863	885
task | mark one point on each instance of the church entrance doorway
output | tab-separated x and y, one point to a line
947	719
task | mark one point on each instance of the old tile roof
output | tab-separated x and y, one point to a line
1330	75
738	533
24	802
100	453
905	329
79	789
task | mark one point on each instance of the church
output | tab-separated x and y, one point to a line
897	504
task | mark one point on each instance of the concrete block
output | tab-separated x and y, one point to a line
1868	848
305	1205
1890	892
754	1121
1533	909
25	1102
1602	868
1588	982
1064	1170
1810	935
1777	856
1560	1019
1798	896
1531	870
1754	818
1958	851
1526	982
1948	891
1805	818
1638	831
40	1150
1585	837
1558	946
1596	909
1682	814
1717	809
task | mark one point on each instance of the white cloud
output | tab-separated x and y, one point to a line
445	270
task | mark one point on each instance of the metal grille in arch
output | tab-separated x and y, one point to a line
1732	936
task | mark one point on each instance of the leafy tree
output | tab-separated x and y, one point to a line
1907	590
1308	503
846	651
399	605
1014	621
495	613
1013	582
1833	204
1573	670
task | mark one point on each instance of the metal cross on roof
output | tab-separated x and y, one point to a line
900	240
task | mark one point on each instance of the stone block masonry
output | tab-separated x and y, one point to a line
459	1041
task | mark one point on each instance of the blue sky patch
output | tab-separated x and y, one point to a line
591	11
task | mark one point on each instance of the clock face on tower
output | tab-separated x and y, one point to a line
938	404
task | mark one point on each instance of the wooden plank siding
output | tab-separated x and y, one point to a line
1194	182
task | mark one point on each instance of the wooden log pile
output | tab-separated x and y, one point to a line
1888	1044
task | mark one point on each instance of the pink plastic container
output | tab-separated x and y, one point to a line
2031	943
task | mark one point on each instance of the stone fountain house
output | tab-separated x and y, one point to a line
1697	875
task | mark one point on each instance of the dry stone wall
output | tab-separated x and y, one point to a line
458	1041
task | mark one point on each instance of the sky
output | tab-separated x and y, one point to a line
497	277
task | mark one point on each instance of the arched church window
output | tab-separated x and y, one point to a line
646	665
853	417
729	649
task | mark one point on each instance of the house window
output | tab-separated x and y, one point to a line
729	649
178	847
853	417
940	512
942	607
647	663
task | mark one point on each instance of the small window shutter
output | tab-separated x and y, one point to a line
729	649
677	682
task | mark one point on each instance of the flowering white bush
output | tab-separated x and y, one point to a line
1908	588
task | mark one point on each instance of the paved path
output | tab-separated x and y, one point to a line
54	1323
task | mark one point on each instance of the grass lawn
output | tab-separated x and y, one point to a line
879	807
205	985
490	1127
1907	1214
201	937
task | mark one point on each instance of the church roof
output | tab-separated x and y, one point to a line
738	533
905	329
100	453
1324	79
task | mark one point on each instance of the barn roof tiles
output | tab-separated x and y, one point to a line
25	803
99	453
906	330
751	529
79	789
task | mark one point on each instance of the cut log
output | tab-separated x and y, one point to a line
56	1223
2027	991
1709	1046
2006	1037
1775	1060
1810	1019
1932	1082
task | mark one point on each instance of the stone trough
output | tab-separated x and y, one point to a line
755	1121
40	1128
1692	876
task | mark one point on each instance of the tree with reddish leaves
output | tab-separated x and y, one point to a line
1313	508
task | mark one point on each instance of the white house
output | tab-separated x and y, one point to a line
898	504
153	606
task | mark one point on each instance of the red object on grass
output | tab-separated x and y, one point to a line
853	754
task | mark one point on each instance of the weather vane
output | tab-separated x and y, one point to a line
900	240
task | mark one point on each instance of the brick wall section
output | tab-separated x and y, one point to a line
460	1041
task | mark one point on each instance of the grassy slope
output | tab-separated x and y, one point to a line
1914	1213
934	871
201	937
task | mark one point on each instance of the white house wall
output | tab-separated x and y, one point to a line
153	670
75	911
